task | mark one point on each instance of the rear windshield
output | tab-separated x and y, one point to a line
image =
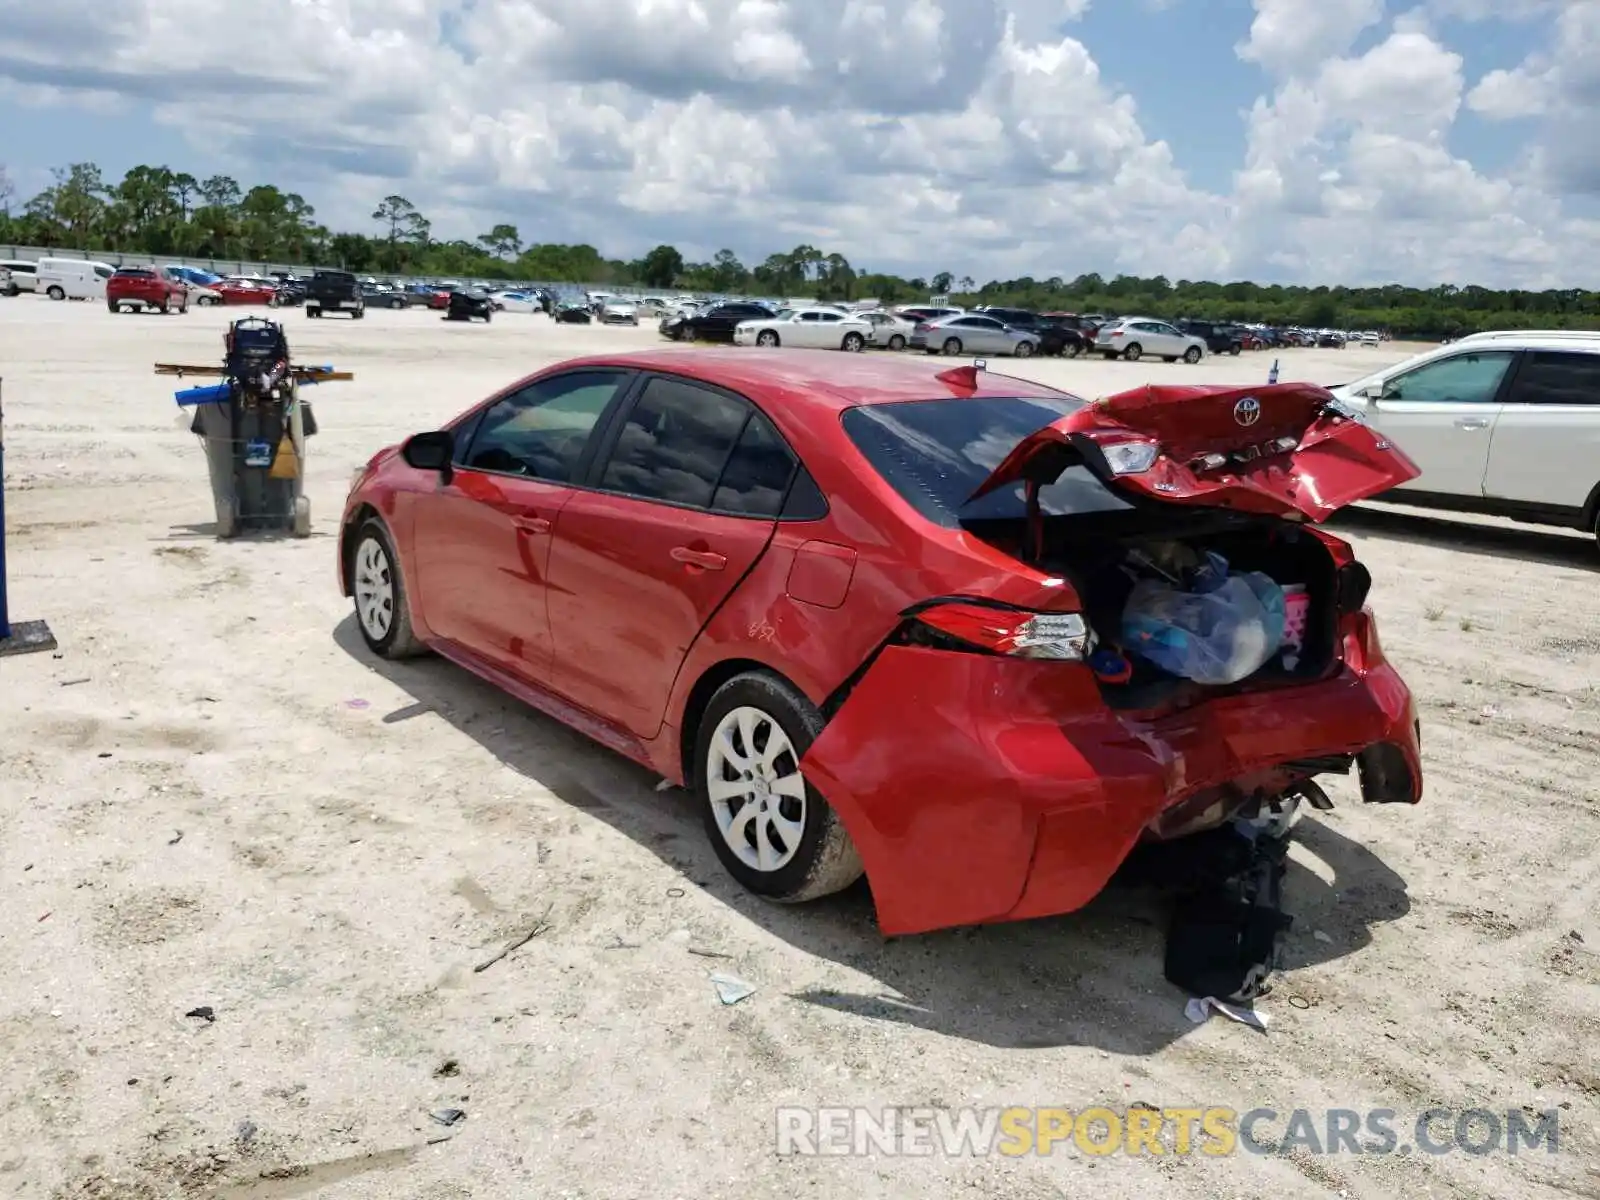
936	453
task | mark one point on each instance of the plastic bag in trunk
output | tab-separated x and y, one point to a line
1223	630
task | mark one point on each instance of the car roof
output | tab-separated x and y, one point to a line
816	379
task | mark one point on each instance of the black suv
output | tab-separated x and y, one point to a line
713	324
467	304
334	291
1017	318
1219	338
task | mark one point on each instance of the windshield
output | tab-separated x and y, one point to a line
936	453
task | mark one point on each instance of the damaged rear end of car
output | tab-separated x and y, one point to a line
1156	646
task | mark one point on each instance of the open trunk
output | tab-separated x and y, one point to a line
1098	554
1238	472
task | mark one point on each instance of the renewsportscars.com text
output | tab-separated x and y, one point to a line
1212	1132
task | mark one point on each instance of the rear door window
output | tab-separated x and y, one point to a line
756	477
936	453
674	443
1548	378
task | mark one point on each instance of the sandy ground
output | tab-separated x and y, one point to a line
212	796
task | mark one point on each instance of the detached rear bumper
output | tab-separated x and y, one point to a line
983	789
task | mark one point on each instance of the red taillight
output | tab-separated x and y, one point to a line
1017	632
923	327
1116	333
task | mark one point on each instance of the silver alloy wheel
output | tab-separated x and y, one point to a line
374	589
766	338
757	793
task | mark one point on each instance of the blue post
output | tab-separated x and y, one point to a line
25	637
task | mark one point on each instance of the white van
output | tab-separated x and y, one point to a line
22	274
73	278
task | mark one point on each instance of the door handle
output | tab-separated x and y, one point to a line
1471	423
531	524
705	560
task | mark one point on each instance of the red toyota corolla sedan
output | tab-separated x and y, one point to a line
854	603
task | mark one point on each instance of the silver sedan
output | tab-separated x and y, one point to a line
972	333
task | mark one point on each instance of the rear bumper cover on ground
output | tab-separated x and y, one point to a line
981	789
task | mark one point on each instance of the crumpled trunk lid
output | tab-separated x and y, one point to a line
1288	449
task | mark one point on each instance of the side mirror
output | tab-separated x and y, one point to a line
430	451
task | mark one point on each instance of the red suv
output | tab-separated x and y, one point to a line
146	287
858	604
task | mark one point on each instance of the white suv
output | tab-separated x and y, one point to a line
1504	423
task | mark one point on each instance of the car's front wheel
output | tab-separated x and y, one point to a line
771	829
853	343
1192	355
1134	352
767	338
379	592
952	346
897	342
1024	350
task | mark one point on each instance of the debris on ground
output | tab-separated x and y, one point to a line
539	926
448	1116
730	989
204	1013
1199	1011
448	1069
246	1132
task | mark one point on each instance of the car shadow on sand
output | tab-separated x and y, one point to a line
1442	531
1091	978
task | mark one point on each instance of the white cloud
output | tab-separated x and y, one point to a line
1290	37
970	135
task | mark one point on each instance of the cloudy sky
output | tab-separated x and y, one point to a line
1282	140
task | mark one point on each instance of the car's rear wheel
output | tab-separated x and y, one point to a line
55	292
854	343
113	306
1192	355
771	829
1134	352
897	342
767	337
379	592
1234	349
952	346
397	303
1024	350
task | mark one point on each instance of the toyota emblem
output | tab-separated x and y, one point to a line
1248	411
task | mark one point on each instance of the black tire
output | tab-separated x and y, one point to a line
825	860
313	312
395	640
55	292
113	306
951	347
684	335
358	314
897	342
1072	349
768	338
163	308
397	303
1234	349
1192	355
1024	350
853	343
1169	358
1134	352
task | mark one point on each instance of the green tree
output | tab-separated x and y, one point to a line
503	241
661	267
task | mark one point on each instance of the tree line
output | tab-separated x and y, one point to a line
156	210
